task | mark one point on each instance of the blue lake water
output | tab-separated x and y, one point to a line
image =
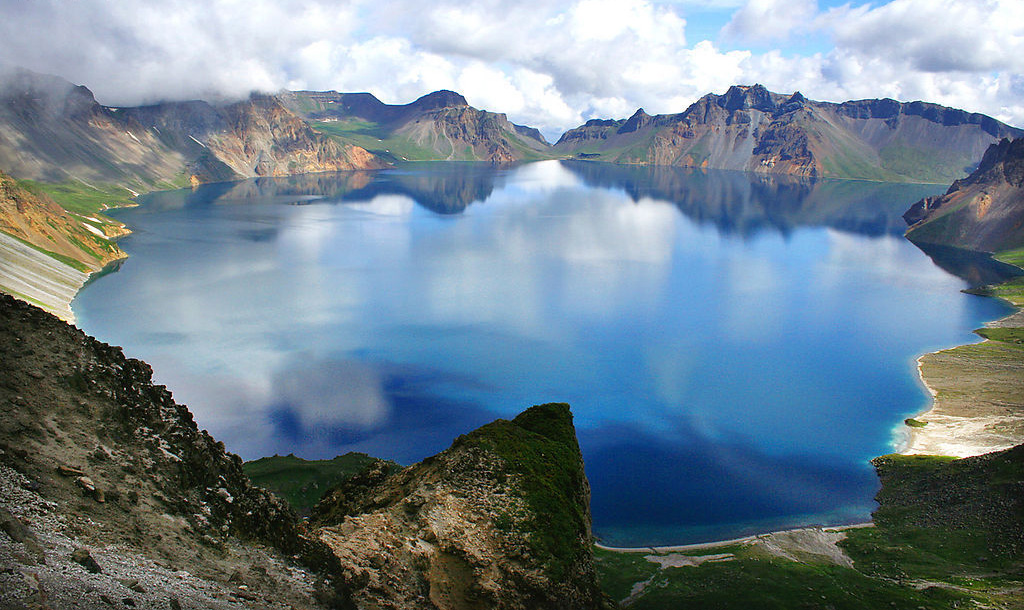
735	348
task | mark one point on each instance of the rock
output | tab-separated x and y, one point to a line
499	520
82	557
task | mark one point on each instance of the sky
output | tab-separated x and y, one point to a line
550	64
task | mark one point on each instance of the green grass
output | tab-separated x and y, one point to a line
913	423
754	580
540	450
83	199
1012	336
375	139
301	482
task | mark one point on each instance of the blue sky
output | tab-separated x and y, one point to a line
551	64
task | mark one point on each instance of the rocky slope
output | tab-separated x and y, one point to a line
437	126
750	128
499	520
55	131
110	494
983	212
47	251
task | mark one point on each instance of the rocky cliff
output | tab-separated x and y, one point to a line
499	520
437	126
983	212
55	131
750	128
255	137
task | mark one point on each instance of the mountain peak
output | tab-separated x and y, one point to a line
440	99
745	97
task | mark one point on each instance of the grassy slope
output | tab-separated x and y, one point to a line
301	482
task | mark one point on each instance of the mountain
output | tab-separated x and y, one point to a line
438	126
983	212
55	131
752	129
499	520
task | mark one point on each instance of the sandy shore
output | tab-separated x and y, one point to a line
977	398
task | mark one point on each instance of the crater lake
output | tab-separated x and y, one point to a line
735	347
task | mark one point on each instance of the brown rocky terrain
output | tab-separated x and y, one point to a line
37	219
752	129
983	212
499	520
47	251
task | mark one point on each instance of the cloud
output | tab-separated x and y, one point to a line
767	20
548	64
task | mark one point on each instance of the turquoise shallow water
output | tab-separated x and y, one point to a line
735	348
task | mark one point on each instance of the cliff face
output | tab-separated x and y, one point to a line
52	130
256	137
753	129
984	211
499	520
437	126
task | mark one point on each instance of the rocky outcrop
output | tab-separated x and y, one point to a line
499	520
94	456
34	217
983	212
752	129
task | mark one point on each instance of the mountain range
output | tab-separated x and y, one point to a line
753	129
55	131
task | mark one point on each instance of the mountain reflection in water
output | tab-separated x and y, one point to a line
735	347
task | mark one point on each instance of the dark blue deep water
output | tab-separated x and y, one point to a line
735	348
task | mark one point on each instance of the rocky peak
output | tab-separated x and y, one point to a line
499	520
639	120
439	99
740	97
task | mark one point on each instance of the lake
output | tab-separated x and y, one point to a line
735	347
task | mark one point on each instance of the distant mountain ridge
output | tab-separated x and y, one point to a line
752	129
438	126
55	131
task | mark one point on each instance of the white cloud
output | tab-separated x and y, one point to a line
766	20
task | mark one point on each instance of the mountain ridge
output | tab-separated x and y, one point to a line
752	129
983	212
